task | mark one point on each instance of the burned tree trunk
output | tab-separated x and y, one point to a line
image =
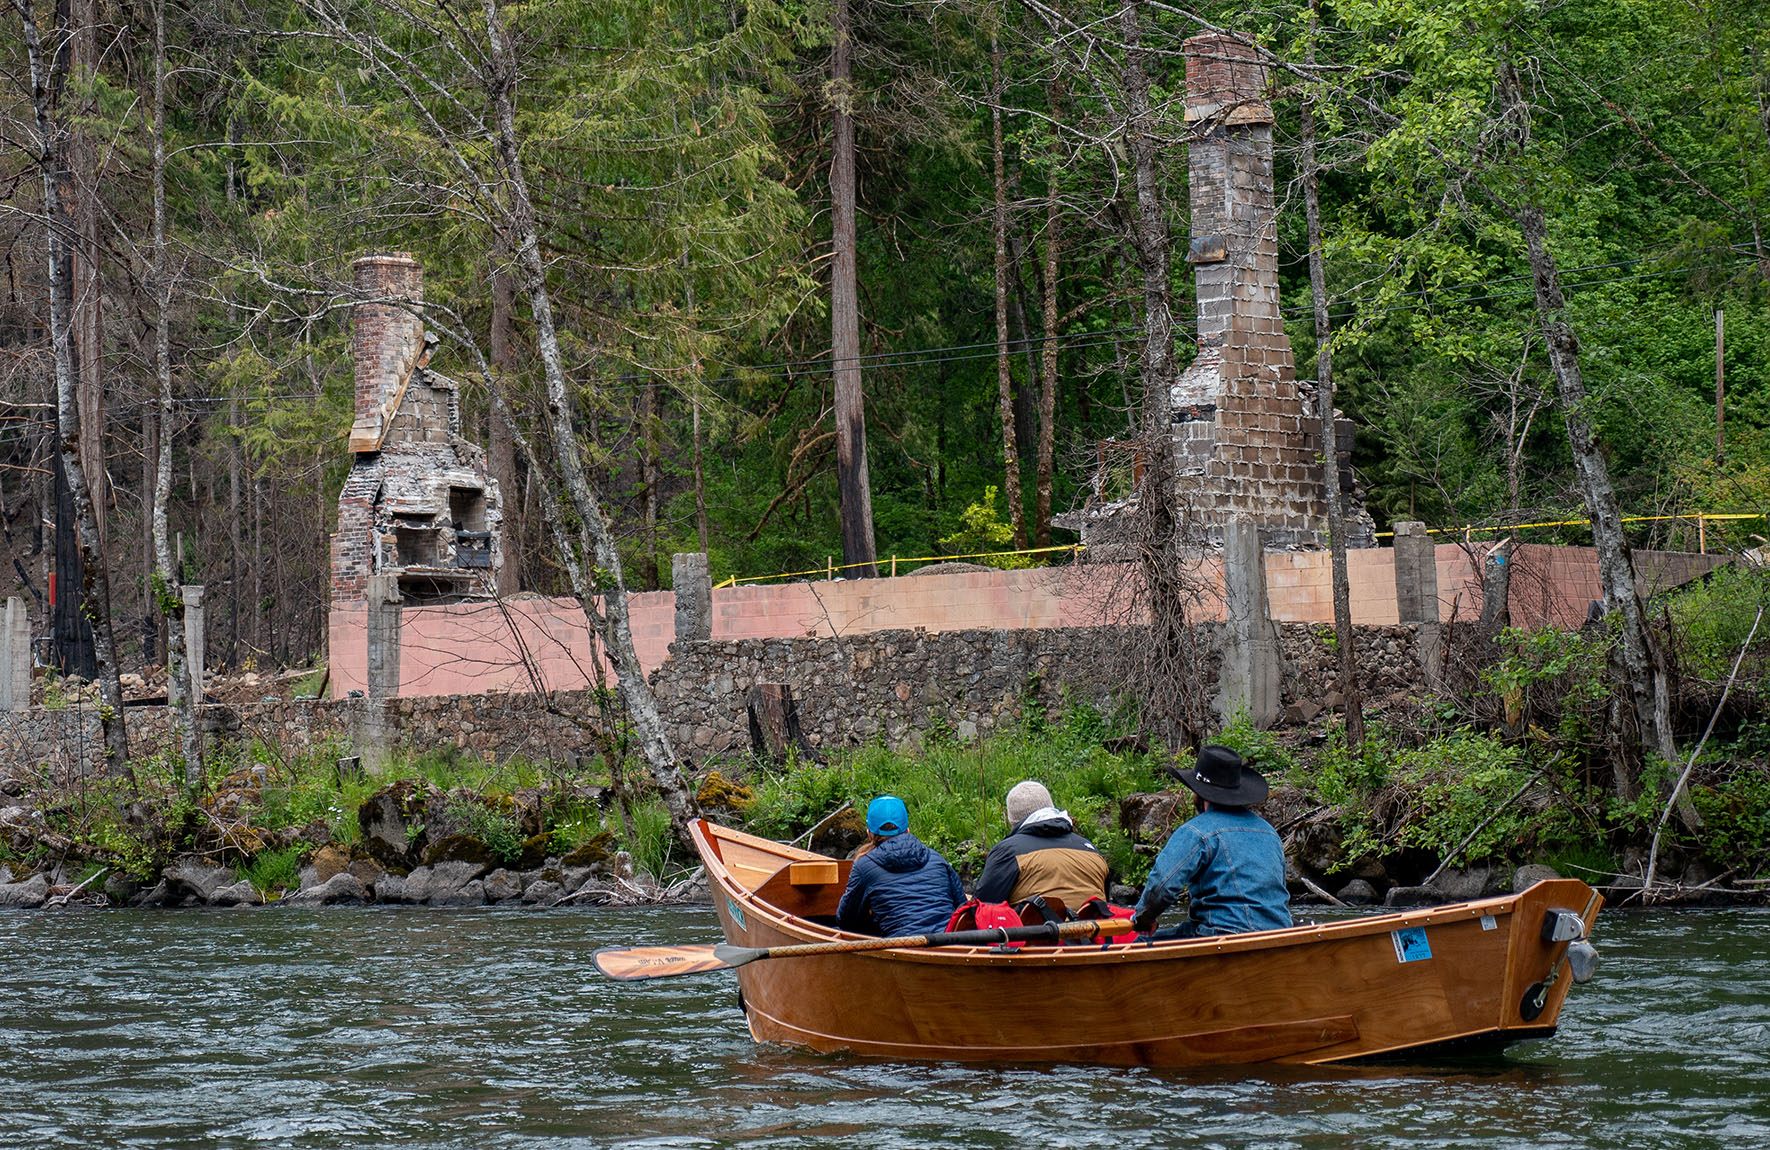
859	553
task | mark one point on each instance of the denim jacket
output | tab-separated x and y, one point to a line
1233	863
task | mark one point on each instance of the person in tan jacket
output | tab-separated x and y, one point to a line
1042	855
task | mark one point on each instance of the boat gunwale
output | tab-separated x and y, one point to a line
1087	954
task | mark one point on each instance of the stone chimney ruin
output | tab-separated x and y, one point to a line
418	504
1244	431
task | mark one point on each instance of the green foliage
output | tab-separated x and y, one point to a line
983	536
273	871
1550	671
485	821
1712	618
652	845
955	790
1259	749
1736	819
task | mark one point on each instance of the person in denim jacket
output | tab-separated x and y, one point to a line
1228	857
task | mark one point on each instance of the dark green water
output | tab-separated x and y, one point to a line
490	1029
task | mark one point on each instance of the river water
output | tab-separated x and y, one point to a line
480	1029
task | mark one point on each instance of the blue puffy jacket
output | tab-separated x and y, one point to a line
899	887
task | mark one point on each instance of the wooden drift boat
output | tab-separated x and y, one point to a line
1468	975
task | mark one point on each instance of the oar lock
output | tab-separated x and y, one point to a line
1570	927
1582	959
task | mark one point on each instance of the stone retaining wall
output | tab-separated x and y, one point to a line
889	685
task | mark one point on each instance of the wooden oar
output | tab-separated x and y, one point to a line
631	963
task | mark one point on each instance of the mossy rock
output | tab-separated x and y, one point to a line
594	851
460	848
720	793
534	851
838	837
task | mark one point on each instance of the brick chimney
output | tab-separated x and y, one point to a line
1234	248
387	341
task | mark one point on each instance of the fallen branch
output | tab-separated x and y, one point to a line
822	823
1316	890
63	899
1482	825
1678	787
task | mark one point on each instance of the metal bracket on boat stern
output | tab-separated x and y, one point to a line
1570	927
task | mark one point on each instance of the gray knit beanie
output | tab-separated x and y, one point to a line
1026	798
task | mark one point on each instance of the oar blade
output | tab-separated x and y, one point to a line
635	963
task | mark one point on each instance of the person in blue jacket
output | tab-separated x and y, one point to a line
1228	857
898	885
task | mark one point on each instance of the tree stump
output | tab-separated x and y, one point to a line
774	724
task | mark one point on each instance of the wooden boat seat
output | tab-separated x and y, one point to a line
810	889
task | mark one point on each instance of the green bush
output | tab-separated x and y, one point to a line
273	871
955	791
1736	819
1711	619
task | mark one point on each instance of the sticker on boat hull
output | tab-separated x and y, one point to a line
1410	944
1488	922
737	915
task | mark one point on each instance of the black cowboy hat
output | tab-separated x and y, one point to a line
1221	778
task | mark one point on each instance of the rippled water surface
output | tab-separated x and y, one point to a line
490	1028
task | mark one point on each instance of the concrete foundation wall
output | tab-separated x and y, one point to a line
472	648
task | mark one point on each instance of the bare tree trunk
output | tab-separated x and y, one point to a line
1004	373
1324	375
648	482
88	283
1161	563
500	452
611	622
700	482
859	552
1048	377
49	71
1643	665
178	678
236	576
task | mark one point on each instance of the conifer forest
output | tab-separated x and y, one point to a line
847	278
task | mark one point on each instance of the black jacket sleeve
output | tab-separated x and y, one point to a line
1001	870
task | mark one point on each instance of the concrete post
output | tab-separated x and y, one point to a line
382	636
15	657
1251	668
1416	596
1416	574
378	728
194	639
693	581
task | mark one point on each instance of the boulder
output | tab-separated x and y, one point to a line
241	893
328	861
543	893
393	821
502	886
30	893
1357	893
459	848
342	887
120	888
1415	896
435	885
390	888
367	871
841	834
1465	885
593	851
1526	877
1152	817
534	851
473	894
194	880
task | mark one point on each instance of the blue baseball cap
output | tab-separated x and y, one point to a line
887	816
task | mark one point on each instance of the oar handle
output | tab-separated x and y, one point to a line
1052	932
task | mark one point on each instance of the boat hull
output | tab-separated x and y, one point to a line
1355	989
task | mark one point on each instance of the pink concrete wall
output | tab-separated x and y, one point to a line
475	648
